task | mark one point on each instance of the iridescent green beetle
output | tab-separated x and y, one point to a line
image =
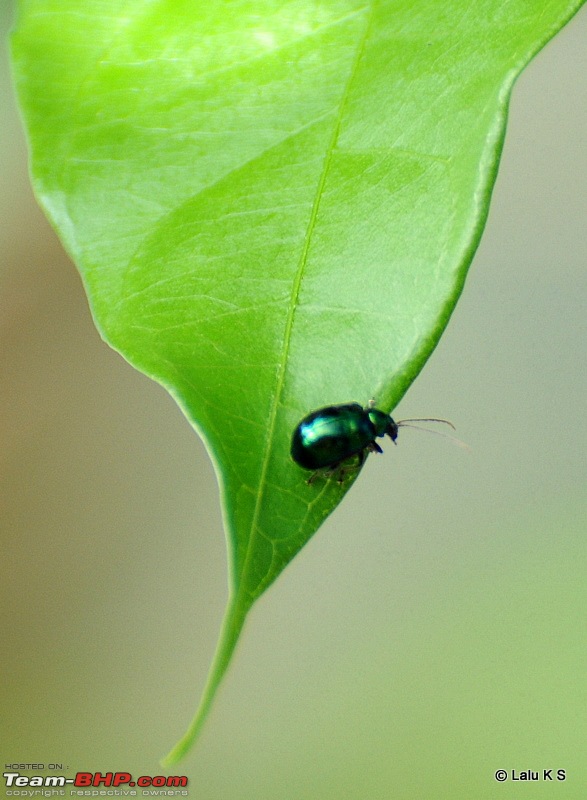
328	437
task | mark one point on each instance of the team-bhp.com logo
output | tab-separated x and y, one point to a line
16	783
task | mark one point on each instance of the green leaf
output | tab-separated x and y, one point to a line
273	206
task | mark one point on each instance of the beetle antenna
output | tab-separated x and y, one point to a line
406	423
426	419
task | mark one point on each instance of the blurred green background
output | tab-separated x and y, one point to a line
431	633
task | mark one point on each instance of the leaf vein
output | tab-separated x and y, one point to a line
291	313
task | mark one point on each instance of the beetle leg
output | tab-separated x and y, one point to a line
372	447
340	471
327	473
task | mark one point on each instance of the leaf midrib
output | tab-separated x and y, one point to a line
250	549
